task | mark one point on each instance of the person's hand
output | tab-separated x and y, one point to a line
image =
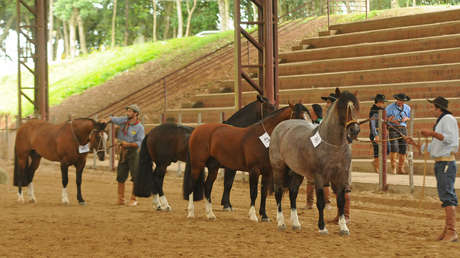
105	120
124	144
409	140
427	133
405	119
376	139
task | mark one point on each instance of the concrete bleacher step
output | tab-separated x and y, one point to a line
372	49
374	76
427	57
417	90
417	31
365	165
399	21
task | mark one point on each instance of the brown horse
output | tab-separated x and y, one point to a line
67	143
217	145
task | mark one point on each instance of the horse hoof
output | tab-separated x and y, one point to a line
296	228
211	217
32	201
254	218
344	232
323	231
282	227
167	208
82	203
227	209
190	216
265	219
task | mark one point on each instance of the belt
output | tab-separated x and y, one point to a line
446	158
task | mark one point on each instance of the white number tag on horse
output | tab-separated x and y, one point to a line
265	139
316	139
83	148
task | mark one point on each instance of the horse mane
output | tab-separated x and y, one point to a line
82	118
342	104
243	109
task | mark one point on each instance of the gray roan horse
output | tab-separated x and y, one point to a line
293	155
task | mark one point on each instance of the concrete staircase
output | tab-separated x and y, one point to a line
416	54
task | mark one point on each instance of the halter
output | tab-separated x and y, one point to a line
89	137
350	108
101	140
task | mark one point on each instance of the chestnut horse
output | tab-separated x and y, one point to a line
67	143
300	149
216	145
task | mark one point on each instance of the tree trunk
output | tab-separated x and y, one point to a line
180	23
154	32
224	14
81	34
125	42
72	32
255	10
347	5
57	39
414	3
114	17
51	31
169	10
66	38
394	4
189	17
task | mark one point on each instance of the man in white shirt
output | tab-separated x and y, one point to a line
442	149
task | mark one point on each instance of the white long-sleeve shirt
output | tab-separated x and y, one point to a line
448	127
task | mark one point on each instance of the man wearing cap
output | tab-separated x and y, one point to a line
379	104
130	135
397	115
442	149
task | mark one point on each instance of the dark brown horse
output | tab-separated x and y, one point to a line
217	145
67	143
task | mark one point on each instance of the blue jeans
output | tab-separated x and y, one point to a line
445	172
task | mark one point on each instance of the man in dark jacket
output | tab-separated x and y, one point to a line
379	104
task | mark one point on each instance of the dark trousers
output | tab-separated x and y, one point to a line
445	172
400	144
128	165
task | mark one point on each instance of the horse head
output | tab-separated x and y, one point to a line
348	108
265	107
98	140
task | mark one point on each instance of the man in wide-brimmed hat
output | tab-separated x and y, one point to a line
130	135
379	104
442	149
397	114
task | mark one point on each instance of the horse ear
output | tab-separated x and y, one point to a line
262	99
337	92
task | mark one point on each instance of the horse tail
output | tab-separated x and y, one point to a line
190	185
143	184
21	178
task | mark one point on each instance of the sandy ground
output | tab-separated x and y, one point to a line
382	224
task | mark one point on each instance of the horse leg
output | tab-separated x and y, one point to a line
279	211
212	175
229	177
296	181
253	185
341	206
20	166
65	181
33	167
320	203
164	205
79	167
155	191
263	198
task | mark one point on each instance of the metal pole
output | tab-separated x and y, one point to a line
268	54
179	118
328	23
18	28
165	94
380	145
41	63
237	47
112	150
94	150
384	150
410	156
199	118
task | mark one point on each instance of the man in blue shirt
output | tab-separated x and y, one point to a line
397	115
130	136
442	149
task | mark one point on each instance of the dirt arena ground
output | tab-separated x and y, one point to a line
383	225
